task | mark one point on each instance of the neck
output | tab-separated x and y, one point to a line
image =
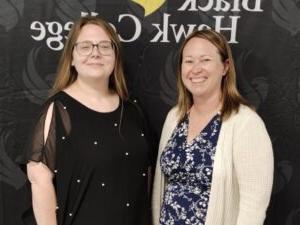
207	106
92	88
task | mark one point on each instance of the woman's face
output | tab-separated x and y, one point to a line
89	62
202	69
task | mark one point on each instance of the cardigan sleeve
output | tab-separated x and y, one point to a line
253	164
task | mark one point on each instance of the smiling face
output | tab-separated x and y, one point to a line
94	66
202	69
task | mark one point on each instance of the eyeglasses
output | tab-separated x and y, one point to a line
86	48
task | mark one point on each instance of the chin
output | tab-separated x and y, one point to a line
96	76
196	92
97	73
198	95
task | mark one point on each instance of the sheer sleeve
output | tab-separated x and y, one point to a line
38	149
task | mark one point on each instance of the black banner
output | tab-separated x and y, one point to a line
264	36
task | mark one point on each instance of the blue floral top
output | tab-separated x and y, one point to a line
188	168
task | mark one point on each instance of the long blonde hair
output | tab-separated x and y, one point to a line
231	98
67	74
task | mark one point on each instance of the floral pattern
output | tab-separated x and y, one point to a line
188	168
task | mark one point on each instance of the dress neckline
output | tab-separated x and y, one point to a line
90	109
207	126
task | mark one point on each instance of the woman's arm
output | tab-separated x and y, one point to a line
253	163
41	179
43	193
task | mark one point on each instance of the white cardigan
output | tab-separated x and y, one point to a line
242	171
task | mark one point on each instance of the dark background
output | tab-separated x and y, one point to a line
267	59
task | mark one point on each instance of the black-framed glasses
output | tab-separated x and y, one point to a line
85	48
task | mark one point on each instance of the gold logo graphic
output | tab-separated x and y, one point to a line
149	6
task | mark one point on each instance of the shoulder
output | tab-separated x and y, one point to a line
54	97
173	114
132	104
246	118
51	101
171	120
245	113
133	108
54	105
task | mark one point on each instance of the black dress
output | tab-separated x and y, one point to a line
100	162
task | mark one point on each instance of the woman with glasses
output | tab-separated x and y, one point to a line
89	157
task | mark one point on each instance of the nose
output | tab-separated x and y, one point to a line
197	67
95	51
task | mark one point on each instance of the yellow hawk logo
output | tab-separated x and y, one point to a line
150	6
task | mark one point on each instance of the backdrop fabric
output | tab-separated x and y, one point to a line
264	36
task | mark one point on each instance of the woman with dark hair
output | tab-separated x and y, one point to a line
215	160
89	157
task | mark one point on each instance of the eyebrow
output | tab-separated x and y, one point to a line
94	42
189	56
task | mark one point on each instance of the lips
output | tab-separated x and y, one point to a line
95	64
198	80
